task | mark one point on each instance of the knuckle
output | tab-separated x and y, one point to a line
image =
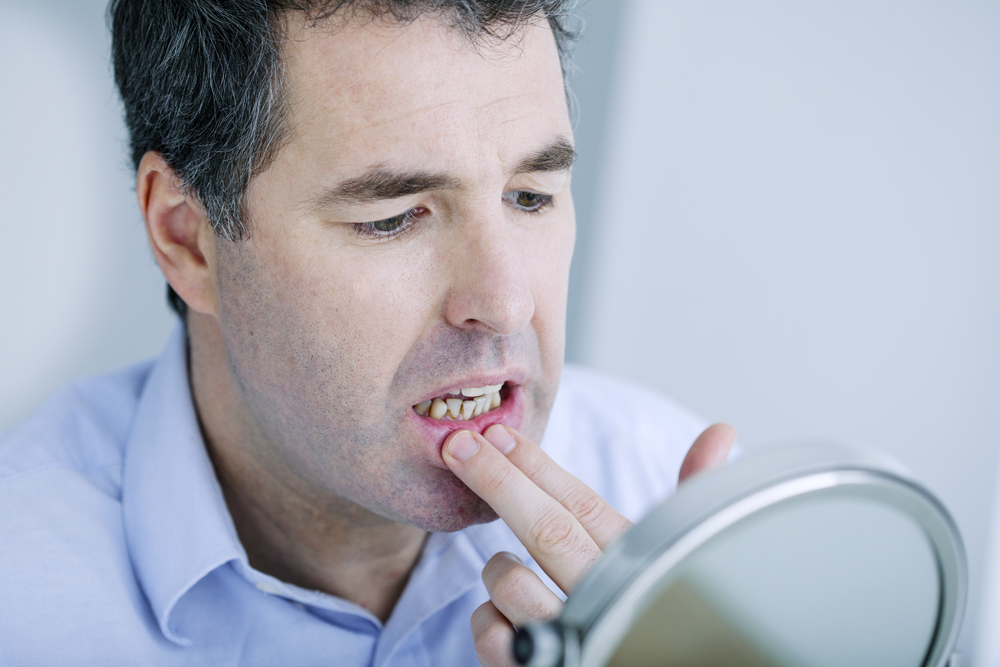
511	586
535	468
497	565
482	617
497	479
518	590
492	642
588	507
557	533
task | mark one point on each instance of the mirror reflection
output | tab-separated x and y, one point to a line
821	580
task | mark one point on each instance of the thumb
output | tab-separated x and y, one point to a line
710	450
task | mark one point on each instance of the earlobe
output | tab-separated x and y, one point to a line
179	233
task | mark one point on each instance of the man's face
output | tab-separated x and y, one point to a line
336	329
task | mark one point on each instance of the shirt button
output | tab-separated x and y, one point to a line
268	587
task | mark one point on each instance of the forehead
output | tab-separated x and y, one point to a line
385	94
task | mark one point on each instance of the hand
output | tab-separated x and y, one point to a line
564	525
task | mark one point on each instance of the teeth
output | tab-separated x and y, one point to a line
478	400
475	392
438	408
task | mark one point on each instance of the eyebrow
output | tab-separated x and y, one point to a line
381	183
557	156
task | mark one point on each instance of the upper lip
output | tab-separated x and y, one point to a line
512	377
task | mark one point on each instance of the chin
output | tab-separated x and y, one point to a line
447	509
461	518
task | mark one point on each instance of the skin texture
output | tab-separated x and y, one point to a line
311	341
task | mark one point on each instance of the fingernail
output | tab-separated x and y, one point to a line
462	446
500	438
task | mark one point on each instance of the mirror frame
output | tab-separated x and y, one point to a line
600	612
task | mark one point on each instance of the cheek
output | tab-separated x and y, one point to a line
371	306
300	310
547	258
382	309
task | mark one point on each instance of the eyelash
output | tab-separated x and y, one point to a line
406	220
544	201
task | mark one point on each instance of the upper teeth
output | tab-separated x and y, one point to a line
478	391
483	399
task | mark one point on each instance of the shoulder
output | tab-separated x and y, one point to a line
617	408
625	441
63	548
82	427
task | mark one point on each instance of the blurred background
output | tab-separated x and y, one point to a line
789	220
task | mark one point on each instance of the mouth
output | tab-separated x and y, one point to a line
464	403
474	408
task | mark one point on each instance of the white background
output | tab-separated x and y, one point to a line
799	231
789	220
81	293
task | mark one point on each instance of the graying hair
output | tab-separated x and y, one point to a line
202	80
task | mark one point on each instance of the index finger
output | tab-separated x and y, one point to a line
602	522
551	534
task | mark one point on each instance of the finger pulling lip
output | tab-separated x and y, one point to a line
436	431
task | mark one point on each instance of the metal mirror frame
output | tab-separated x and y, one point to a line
600	612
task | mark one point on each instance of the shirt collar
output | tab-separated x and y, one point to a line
176	522
450	567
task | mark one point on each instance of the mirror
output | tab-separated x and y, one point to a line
806	557
749	596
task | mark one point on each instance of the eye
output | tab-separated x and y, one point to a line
390	227
528	201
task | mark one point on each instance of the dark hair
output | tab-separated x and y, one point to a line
201	80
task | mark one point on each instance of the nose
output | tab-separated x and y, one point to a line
490	290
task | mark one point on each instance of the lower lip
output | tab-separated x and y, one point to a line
436	431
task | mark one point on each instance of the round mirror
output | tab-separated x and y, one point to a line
807	557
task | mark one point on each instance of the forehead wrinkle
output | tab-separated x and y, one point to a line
518	118
508	98
415	112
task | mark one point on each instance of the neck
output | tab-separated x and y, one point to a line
318	542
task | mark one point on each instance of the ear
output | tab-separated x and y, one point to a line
179	232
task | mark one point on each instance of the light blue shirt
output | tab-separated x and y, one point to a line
117	548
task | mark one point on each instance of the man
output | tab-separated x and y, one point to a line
363	211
